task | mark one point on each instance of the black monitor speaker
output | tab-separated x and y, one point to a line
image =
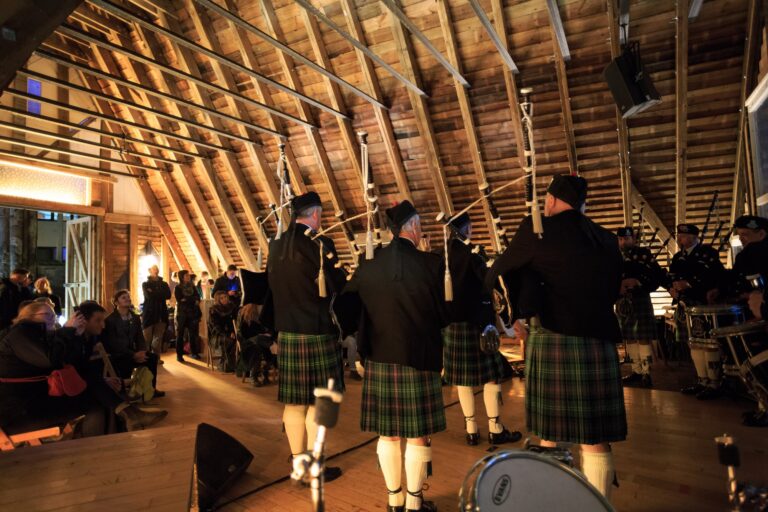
630	85
220	459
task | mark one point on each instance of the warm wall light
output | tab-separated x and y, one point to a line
32	182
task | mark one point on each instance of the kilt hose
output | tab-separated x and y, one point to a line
640	323
400	401
306	362
573	389
463	361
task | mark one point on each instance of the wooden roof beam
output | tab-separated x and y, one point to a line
446	23
382	117
423	119
681	109
497	35
622	131
562	85
556	23
210	54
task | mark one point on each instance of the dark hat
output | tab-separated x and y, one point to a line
304	201
461	222
690	229
400	213
751	222
625	231
571	189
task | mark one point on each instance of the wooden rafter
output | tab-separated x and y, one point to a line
423	119
565	95
681	109
637	201
446	23
382	117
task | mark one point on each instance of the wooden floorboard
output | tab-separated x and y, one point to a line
669	462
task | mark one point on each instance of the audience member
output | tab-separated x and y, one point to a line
256	358
154	314
203	286
187	316
221	330
43	289
229	282
13	291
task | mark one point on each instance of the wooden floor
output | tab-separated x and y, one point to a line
669	462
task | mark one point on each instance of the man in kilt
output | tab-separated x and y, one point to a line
573	383
641	275
694	275
464	364
309	352
401	346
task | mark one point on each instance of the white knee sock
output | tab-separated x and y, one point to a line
598	468
714	367
416	460
633	352
311	426
293	421
646	358
391	462
700	363
467	401
492	397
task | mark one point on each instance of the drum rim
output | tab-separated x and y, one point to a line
734	330
708	309
520	454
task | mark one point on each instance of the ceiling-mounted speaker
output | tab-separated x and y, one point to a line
631	86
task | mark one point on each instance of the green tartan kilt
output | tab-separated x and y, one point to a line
640	323
400	401
464	363
573	389
306	362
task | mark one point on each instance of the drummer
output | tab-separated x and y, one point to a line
752	259
694	275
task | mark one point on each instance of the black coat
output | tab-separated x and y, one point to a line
403	306
225	284
123	339
155	309
639	263
54	298
187	301
11	295
292	269
578	264
470	301
753	259
701	268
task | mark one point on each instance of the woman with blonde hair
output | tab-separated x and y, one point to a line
43	289
256	357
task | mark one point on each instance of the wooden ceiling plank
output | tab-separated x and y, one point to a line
446	23
382	117
681	109
423	119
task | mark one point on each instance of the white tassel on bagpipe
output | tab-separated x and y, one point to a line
368	193
531	199
447	280
321	288
286	194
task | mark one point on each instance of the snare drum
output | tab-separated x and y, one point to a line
751	359
701	321
527	482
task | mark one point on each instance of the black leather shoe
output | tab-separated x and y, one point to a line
505	436
426	506
708	393
646	382
331	473
180	359
473	439
632	379
391	508
693	390
159	394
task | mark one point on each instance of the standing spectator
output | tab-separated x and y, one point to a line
13	291
172	284
203	286
155	311
124	340
187	316
229	282
43	289
221	330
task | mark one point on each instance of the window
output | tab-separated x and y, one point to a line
34	87
757	109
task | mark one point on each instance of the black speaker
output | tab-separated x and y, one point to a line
220	459
630	85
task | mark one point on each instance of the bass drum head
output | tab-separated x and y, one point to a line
527	482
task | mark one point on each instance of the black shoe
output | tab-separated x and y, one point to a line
391	508
426	506
473	439
646	382
505	436
755	419
709	393
159	394
331	473
137	419
180	359
632	379
693	390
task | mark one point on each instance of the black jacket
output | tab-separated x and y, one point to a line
225	284
292	270
639	263
403	306
701	268
54	298
11	295
753	259
578	264
187	301
155	309
470	301
221	319
121	338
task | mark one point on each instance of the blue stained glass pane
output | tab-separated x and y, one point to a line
34	87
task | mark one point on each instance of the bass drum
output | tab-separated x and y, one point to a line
527	482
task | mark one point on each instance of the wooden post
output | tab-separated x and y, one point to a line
681	109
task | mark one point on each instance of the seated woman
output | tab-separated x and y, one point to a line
33	348
124	341
221	330
256	358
